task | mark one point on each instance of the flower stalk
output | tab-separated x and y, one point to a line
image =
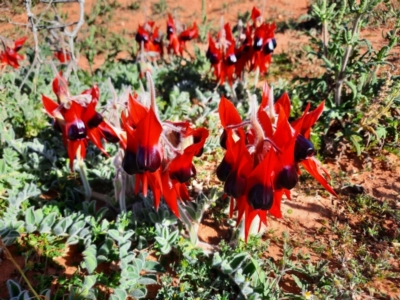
83	175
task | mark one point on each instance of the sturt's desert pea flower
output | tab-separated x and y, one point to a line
77	119
159	153
263	155
251	50
177	41
9	55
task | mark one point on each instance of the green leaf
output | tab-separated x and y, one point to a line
88	283
355	140
38	216
238	260
114	234
30	220
119	294
297	280
381	132
123	249
13	288
76	227
153	266
148	279
139	293
226	267
90	263
353	88
249	269
217	260
47	223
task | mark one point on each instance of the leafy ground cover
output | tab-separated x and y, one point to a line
323	247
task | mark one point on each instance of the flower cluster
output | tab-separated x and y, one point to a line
77	119
149	36
252	49
9	56
263	155
159	154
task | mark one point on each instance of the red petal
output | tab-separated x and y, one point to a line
155	185
265	122
283	135
49	105
19	43
148	132
298	124
95	136
73	148
169	193
137	110
73	113
228	113
189	34
89	112
311	167
170	21
109	133
284	101
255	13
310	119
276	206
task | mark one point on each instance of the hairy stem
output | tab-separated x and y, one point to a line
82	173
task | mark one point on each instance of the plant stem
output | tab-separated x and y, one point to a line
256	77
325	37
122	195
203	11
341	76
85	181
9	256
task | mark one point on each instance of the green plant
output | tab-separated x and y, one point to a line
350	64
160	7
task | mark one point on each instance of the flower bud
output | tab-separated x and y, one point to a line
270	46
129	163
261	197
287	178
148	159
76	130
303	148
223	170
95	120
235	185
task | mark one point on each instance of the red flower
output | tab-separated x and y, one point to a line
62	55
176	43
253	51
222	55
10	54
160	154
263	154
77	119
148	36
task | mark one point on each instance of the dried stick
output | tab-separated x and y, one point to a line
9	256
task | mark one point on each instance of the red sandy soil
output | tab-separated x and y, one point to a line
305	214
